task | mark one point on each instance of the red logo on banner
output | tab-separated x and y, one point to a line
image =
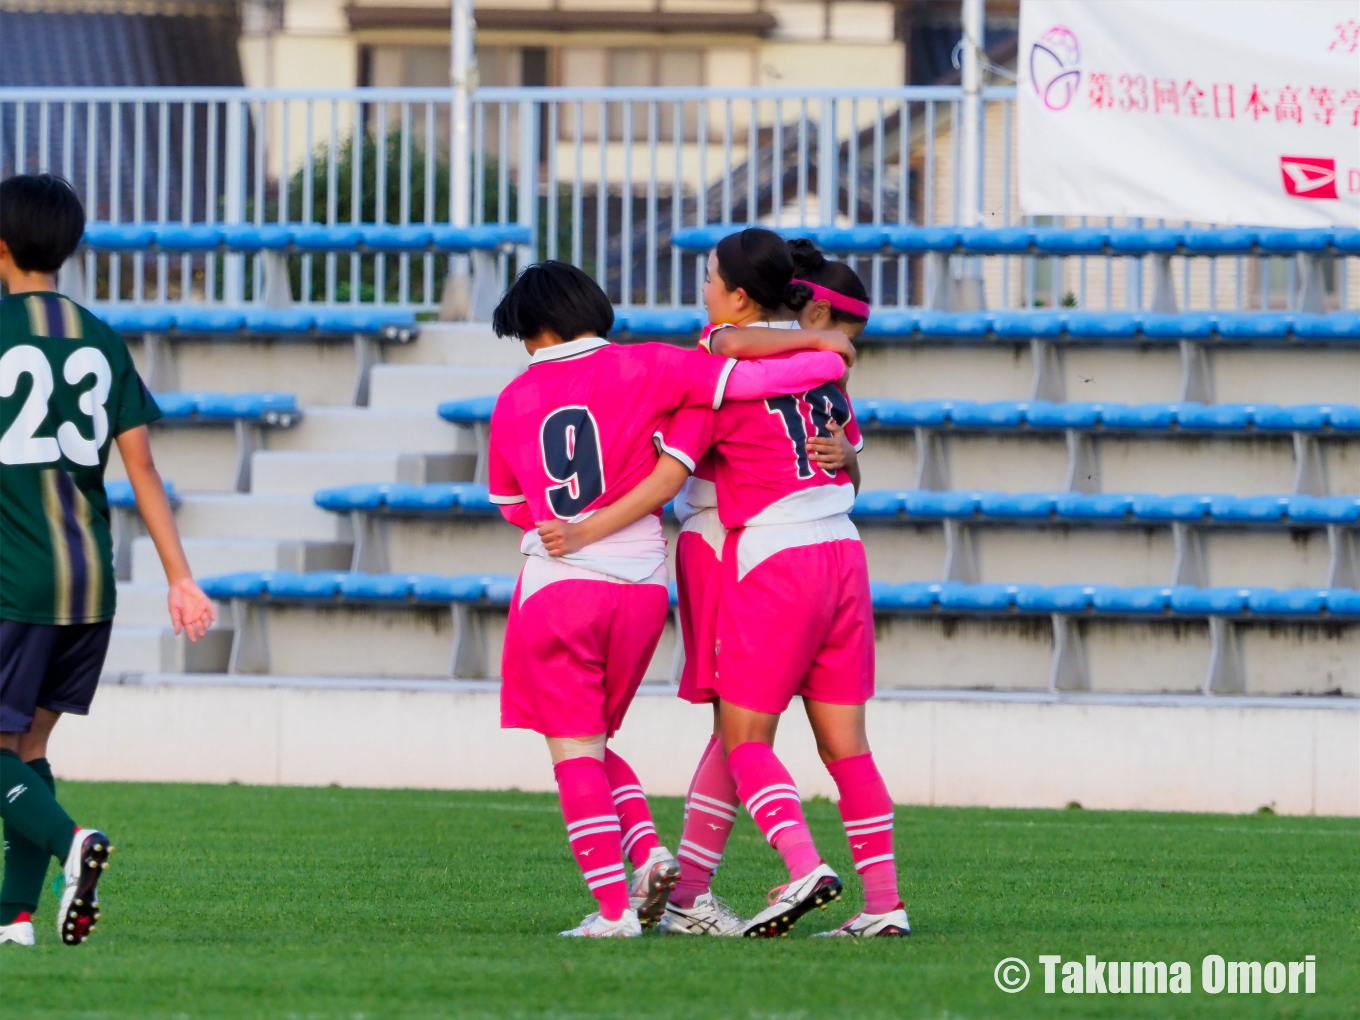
1308	176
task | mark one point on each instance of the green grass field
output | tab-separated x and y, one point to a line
263	902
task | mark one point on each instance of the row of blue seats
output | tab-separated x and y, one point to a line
303	237
458	498
1086	415
1043	415
265	408
1069	325
1130	241
945	597
219	320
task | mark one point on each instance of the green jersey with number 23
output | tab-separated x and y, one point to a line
67	388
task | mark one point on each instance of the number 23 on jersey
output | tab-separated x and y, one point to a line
20	443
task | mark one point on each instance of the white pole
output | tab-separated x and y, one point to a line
461	68
456	302
970	293
969	176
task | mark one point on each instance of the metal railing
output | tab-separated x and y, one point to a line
604	176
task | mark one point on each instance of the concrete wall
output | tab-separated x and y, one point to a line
1150	753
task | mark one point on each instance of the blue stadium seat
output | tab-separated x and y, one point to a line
245	585
1017	505
1251	509
377	587
1324	509
976	597
386	237
873	505
1179	507
1146	240
1042	414
964	325
120	494
319	237
1220	241
660	321
120	236
1179	325
1343	602
285	584
1138	417
916	240
469	411
280	320
927	503
1291	602
1209	601
1072	240
1143	599
1093	506
1040	325
1288	241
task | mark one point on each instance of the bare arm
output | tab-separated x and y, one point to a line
745	342
650	495
836	453
190	610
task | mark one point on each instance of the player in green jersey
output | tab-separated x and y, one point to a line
68	391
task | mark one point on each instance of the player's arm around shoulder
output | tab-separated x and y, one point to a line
191	611
748	342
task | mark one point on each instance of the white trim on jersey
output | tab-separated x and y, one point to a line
504	500
679	455
756	545
570	349
720	391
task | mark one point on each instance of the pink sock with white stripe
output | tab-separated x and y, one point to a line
593	830
767	790
867	812
710	811
639	834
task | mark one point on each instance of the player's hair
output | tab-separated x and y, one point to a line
811	265
758	261
41	220
556	296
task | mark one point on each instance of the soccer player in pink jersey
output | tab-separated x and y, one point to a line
572	434
781	488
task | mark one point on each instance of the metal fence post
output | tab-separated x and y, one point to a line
527	183
233	199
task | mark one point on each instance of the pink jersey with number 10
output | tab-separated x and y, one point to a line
763	470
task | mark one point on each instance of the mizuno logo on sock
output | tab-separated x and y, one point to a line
587	853
15	792
858	846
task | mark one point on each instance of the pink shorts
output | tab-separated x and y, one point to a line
698	580
575	652
798	621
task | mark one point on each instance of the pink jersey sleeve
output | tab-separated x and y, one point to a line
687	435
852	431
774	377
503	488
519	515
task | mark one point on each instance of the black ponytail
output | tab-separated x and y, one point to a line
811	265
758	261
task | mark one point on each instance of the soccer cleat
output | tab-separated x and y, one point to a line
864	926
19	931
79	909
708	916
652	884
790	902
593	926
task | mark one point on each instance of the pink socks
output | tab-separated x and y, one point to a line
767	790
639	834
867	812
593	830
710	810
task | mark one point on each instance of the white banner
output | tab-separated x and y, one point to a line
1219	111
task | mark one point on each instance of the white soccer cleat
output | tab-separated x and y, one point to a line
596	927
708	916
864	926
20	932
85	862
790	902
652	884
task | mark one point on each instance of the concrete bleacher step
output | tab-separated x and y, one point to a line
195	459
459	343
425	387
158	649
241	515
209	556
303	472
357	429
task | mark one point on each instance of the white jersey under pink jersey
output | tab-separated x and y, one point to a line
576	432
764	472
